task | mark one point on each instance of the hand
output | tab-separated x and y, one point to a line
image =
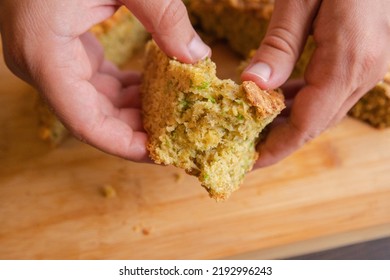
46	43
352	55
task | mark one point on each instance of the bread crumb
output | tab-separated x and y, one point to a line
142	229
146	231
109	191
137	228
178	177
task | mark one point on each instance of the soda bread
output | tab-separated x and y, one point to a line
243	23
207	126
374	107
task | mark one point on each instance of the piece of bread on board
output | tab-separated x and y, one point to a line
374	107
242	23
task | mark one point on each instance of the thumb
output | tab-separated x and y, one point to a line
283	43
168	22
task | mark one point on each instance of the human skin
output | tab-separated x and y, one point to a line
352	55
46	43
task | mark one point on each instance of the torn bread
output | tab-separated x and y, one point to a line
207	126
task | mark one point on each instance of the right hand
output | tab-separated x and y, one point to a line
352	55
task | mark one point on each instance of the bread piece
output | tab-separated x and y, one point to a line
207	126
243	23
121	35
374	107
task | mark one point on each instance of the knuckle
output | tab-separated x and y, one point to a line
365	65
170	16
369	60
304	134
282	39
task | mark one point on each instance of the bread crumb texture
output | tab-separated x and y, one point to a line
243	23
374	107
109	191
207	126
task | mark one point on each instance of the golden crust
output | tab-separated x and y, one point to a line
266	102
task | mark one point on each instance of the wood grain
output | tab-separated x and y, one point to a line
51	205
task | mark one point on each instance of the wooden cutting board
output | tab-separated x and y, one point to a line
334	191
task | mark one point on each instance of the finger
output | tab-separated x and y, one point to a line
292	87
283	43
115	137
313	108
168	22
108	129
287	110
130	97
118	95
94	49
108	79
286	137
111	130
126	77
107	85
322	102
131	117
87	113
107	67
299	133
129	78
95	54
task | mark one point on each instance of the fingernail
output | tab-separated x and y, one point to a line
198	50
261	70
